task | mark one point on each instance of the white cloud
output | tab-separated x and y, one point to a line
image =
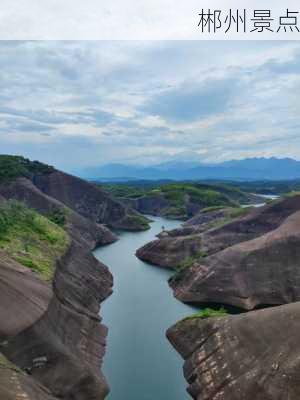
147	101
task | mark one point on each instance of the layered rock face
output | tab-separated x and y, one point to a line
258	266
254	355
89	200
252	261
152	205
52	341
168	252
249	356
58	339
79	227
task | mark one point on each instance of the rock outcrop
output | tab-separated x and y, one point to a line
150	205
55	335
89	200
257	272
52	341
249	262
256	266
79	227
243	357
169	252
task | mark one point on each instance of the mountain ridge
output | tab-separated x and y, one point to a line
256	168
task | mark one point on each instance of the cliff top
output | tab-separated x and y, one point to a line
31	239
12	167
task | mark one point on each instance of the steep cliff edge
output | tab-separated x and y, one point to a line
248	356
64	348
51	332
18	176
249	262
79	227
52	341
90	201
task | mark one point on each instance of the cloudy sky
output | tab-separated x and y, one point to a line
77	104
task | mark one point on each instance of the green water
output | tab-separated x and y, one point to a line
140	364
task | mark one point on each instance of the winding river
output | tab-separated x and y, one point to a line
140	364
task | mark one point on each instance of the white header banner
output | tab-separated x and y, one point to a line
149	20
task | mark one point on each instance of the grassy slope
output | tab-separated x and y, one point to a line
31	239
12	167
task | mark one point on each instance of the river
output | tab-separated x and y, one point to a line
140	364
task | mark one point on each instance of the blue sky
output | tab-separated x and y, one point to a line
76	104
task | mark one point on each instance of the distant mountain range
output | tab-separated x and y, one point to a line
246	169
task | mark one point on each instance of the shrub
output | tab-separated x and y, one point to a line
57	216
185	264
209	313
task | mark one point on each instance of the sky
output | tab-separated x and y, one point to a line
76	104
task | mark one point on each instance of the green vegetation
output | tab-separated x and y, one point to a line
204	196
31	239
139	220
6	364
268	187
12	167
58	216
211	209
125	191
239	212
181	197
189	261
185	264
208	313
292	193
230	216
175	212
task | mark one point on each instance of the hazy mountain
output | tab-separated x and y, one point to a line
246	169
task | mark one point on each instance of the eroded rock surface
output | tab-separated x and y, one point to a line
89	200
249	262
169	252
52	341
242	357
63	348
263	270
15	385
79	227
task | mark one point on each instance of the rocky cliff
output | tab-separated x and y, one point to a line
89	200
52	341
250	262
52	333
250	356
29	181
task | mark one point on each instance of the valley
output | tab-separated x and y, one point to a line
230	257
